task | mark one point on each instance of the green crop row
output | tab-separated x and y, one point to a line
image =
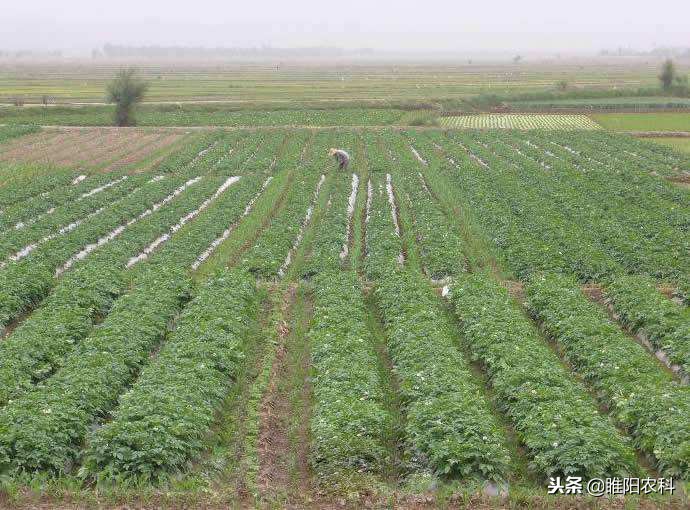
162	421
348	417
330	234
633	223
587	197
32	208
449	425
647	312
640	395
553	414
588	161
269	251
64	217
330	247
24	283
561	216
382	243
528	232
44	429
439	243
651	157
24	187
204	115
167	267
27	281
40	195
190	153
625	162
37	347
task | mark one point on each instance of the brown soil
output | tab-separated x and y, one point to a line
51	143
26	144
236	478
594	292
304	429
111	153
225	501
667	290
107	149
90	147
516	289
141	153
682	180
66	144
274	441
76	145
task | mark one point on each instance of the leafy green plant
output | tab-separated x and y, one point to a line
449	425
439	242
268	253
653	407
553	414
647	312
44	429
349	418
162	421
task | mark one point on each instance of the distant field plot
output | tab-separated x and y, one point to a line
605	103
675	121
84	81
202	115
680	144
518	121
106	149
8	132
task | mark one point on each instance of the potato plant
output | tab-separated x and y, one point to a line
448	422
161	423
647	312
553	414
349	418
647	401
269	251
439	242
44	429
29	210
24	187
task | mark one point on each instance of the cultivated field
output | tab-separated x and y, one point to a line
453	320
519	121
205	115
318	80
675	121
106	149
680	144
605	103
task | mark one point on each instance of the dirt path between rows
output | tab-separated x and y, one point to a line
283	442
273	438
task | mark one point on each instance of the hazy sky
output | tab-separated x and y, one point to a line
527	25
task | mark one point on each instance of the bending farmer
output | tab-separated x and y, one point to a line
342	157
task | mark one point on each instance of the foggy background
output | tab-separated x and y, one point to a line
539	26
